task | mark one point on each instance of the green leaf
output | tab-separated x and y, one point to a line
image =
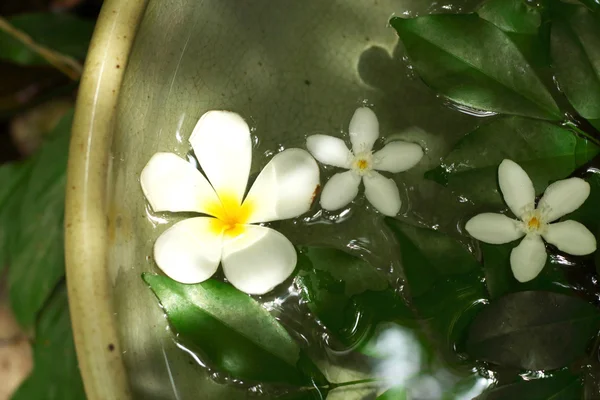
445	283
12	190
36	256
475	64
56	374
546	151
427	254
575	46
394	394
511	15
501	281
589	212
358	275
533	330
232	331
63	33
561	387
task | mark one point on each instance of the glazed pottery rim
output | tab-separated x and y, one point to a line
90	300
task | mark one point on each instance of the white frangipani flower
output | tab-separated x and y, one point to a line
255	258
362	164
559	199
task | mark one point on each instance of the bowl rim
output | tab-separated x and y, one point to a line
90	299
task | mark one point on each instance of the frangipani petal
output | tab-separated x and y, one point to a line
258	260
398	156
382	193
571	237
222	143
516	187
189	251
172	184
494	228
329	150
285	188
528	259
340	190
364	130
563	197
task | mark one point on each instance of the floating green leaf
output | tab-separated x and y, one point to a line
475	64
36	256
62	33
575	46
511	15
533	330
546	151
561	387
56	374
230	329
357	275
394	394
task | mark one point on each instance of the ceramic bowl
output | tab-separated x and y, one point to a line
154	67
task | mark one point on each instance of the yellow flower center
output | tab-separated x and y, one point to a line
362	164
534	223
231	217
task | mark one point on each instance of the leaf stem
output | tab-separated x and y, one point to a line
577	127
67	65
332	386
351	383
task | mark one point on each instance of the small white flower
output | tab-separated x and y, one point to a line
255	258
342	188
559	199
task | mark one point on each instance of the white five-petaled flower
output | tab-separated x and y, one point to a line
362	163
255	258
559	199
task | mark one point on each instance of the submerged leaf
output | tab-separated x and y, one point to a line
475	64
511	15
63	33
575	45
546	151
230	329
445	283
56	373
500	280
357	274
428	255
533	330
561	387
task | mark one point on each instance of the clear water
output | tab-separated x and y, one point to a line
291	69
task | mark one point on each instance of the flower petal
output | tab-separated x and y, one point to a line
516	187
285	188
222	143
528	259
172	184
563	197
329	150
494	228
398	156
340	190
382	193
571	237
364	130
189	251
258	260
